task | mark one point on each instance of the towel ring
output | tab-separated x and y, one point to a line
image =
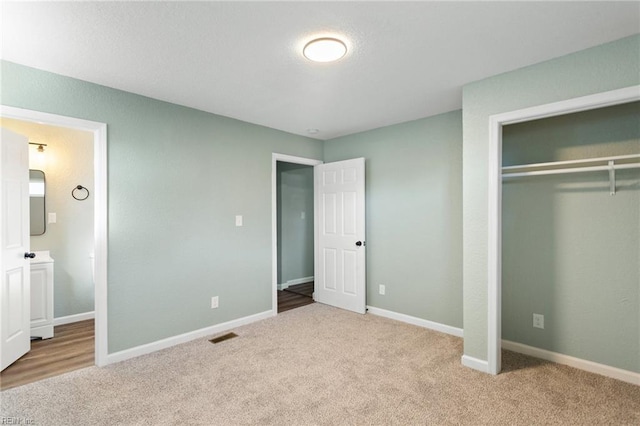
80	188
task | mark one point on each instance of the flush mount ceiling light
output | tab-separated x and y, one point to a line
324	49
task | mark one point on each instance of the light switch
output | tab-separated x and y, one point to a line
51	218
239	220
302	215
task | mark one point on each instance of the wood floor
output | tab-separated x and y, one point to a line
295	296
71	348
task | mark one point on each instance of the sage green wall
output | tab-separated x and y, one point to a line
610	66
67	162
571	251
295	233
177	178
413	213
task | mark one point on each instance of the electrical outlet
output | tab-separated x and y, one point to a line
214	302
238	220
382	289
538	321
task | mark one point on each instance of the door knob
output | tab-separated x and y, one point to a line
359	243
29	255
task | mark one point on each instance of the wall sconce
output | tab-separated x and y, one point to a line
40	146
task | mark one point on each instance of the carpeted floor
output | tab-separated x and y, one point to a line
321	365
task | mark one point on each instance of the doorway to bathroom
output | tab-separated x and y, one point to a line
71	156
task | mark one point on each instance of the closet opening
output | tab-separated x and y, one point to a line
564	237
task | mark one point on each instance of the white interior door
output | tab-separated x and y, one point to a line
340	235
14	219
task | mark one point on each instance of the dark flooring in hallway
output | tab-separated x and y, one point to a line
295	296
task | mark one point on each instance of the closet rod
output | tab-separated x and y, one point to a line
569	162
572	170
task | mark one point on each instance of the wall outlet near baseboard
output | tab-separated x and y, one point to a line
382	289
214	302
538	321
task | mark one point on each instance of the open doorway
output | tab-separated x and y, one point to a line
69	153
293	231
339	232
294	192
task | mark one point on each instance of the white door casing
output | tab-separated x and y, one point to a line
494	199
14	218
275	157
340	279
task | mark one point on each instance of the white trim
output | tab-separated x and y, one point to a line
475	363
436	326
275	157
297	281
74	318
494	333
302	280
494	255
583	364
570	106
99	131
186	337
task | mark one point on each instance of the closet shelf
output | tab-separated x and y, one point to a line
561	166
610	164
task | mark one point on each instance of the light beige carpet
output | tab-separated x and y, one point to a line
320	365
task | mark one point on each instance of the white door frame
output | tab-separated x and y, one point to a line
275	157
584	103
99	131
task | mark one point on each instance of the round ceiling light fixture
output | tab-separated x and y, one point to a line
324	49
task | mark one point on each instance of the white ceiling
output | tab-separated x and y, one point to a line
406	60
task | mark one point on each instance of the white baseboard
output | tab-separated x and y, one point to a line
475	363
186	337
74	318
443	328
294	282
582	364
